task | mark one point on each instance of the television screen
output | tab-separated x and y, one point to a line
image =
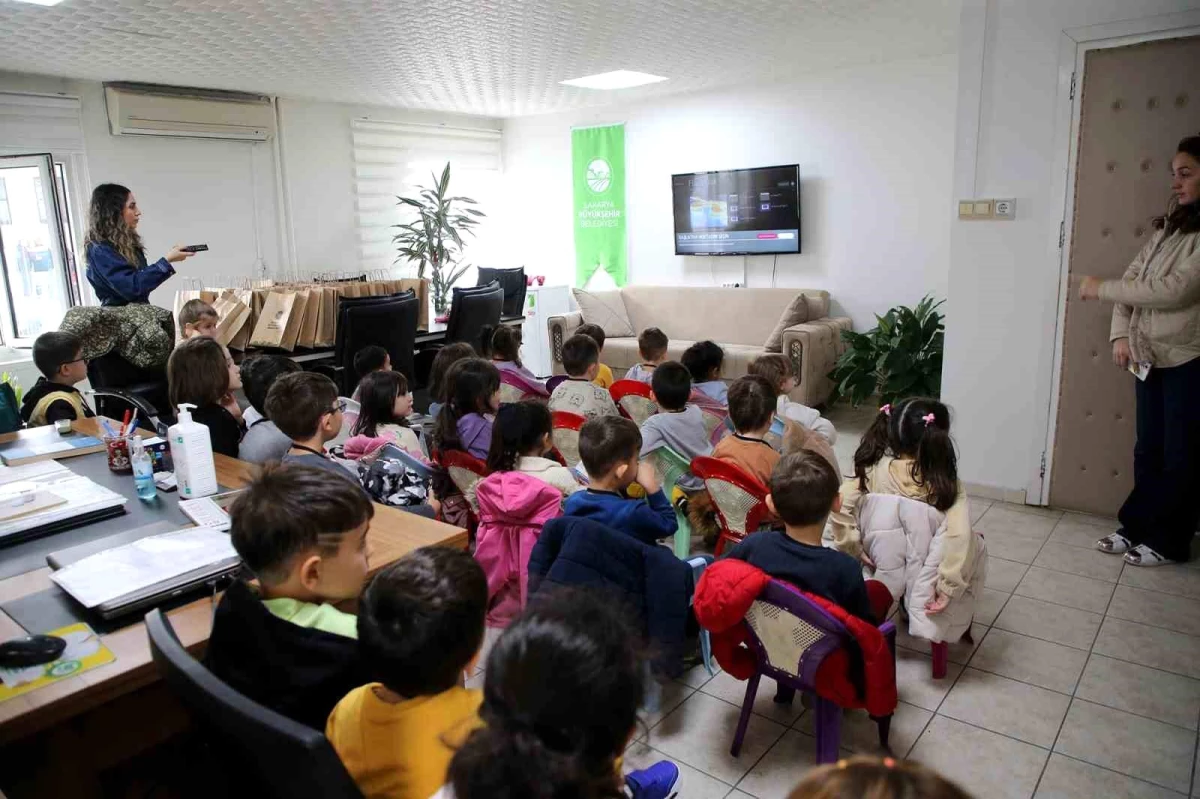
738	211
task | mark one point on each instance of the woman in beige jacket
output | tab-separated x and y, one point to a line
1156	327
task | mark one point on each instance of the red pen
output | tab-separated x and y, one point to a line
125	421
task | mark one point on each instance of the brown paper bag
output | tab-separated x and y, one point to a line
291	333
326	335
273	320
312	312
232	316
421	289
241	339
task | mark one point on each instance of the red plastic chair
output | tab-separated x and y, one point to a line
566	435
633	400
465	472
739	498
514	388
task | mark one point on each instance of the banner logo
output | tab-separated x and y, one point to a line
599	175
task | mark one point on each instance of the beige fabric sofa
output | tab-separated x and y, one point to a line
739	319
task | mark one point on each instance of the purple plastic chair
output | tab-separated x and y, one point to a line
790	637
514	388
553	382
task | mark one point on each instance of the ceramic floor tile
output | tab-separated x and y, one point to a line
697	676
1155	608
789	760
985	763
1149	646
736	794
700	731
1002	518
861	735
1173	579
490	634
960	651
1030	660
1004	575
990	603
1033	510
1065	589
1009	545
1067	778
732	690
1077	560
1081	532
474	681
692	782
671	694
1141	690
977	507
1138	747
1011	708
914	679
1050	622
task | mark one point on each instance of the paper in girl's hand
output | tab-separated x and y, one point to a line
1139	370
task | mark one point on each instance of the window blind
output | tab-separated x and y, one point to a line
37	123
392	158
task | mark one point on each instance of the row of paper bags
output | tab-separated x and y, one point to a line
287	316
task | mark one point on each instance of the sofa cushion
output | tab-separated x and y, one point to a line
606	309
695	313
795	314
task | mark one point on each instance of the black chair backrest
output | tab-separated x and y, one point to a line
114	372
513	283
391	324
269	755
471	310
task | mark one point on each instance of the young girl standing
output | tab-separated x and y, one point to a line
505	352
521	438
908	452
472	399
385	405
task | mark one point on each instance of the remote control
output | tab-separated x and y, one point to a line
195	248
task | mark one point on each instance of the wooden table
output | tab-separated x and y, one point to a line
98	709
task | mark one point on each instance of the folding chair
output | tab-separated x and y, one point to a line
633	400
565	434
670	466
740	500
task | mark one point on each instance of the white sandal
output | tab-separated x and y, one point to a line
1142	555
1114	544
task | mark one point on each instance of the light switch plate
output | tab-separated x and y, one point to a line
966	209
983	209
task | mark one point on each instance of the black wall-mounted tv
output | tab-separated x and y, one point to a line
738	211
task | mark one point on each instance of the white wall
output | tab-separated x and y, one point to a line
873	145
1003	291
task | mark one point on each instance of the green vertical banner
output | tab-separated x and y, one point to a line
598	170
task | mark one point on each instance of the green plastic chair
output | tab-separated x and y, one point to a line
670	466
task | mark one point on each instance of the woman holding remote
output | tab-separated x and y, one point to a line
116	259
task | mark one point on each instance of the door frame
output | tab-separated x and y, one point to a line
1074	45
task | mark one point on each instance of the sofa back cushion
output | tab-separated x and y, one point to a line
724	315
606	309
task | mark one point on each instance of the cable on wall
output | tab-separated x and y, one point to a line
774	263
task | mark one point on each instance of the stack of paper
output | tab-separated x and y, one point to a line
80	495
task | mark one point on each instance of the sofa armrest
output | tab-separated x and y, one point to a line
560	328
814	348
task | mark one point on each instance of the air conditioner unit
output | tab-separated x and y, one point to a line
147	110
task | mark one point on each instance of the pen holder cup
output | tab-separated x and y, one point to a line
118	453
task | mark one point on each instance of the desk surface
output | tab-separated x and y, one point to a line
393	534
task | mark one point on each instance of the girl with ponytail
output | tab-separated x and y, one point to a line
522	436
908	451
560	702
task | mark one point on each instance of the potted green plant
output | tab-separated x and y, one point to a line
435	237
900	357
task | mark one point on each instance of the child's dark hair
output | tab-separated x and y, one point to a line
503	343
564	683
259	373
652	344
197	373
578	353
751	402
916	428
377	393
470	384
594	332
195	310
803	487
607	441
52	350
703	359
519	429
876	778
774	367
369	359
297	402
420	620
446	357
289	510
672	385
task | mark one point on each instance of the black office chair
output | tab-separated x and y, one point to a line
513	283
471	310
389	322
118	386
260	752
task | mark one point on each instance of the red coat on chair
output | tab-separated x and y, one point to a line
725	594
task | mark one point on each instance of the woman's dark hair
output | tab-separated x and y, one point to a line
519	429
919	429
564	683
377	393
470	384
702	359
106	223
197	373
502	343
446	357
1182	218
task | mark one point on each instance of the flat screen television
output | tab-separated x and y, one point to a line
738	211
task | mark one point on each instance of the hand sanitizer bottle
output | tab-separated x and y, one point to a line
191	450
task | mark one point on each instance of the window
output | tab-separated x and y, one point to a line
40	194
5	215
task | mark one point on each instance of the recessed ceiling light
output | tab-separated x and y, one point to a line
620	79
41	2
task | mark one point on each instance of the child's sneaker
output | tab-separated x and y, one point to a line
655	782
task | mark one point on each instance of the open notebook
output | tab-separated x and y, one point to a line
44	497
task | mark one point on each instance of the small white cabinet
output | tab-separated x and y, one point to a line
541	302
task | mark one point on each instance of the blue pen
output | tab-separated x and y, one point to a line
107	428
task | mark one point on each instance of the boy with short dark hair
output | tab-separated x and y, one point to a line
578	393
704	359
604	375
420	628
197	318
780	371
652	347
371	358
305	407
608	447
59	357
752	410
303	534
263	441
678	424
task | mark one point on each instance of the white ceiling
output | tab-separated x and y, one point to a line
494	57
